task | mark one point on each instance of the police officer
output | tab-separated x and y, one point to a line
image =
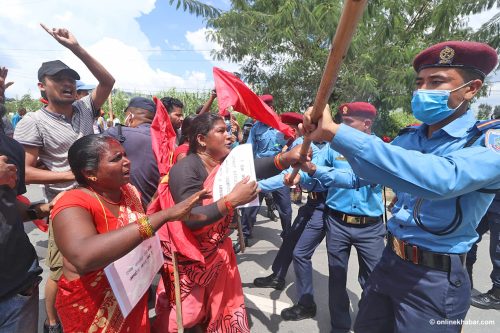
309	218
445	173
352	217
136	139
267	141
491	299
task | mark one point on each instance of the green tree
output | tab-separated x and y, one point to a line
26	101
283	46
496	112
484	111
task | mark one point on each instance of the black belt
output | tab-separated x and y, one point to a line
414	254
316	195
354	219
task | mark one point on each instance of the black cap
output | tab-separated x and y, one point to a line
54	67
142	103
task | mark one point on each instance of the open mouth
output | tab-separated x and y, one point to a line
67	92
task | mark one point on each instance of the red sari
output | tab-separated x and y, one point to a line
88	304
211	294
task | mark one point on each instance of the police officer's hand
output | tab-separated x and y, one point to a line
292	157
8	173
63	36
308	167
288	181
325	130
244	192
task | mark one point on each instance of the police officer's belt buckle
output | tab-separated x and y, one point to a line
313	195
353	219
399	248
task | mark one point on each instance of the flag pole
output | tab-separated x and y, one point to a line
351	14
177	291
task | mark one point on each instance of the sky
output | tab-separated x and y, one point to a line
147	45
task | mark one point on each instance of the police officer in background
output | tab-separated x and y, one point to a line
352	217
445	174
491	299
135	137
309	217
267	141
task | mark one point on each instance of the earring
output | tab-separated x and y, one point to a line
92	178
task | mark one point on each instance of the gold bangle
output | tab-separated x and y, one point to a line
145	228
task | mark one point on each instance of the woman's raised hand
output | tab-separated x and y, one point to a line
182	210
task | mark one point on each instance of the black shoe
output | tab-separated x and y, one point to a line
489	300
298	312
271	281
237	246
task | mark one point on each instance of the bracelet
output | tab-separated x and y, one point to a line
277	162
228	204
145	228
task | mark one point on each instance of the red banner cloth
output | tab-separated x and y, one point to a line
163	141
231	91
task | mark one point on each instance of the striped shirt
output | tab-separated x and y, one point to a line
53	134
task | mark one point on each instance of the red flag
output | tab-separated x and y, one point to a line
163	141
231	91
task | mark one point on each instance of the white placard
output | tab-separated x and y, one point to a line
131	275
238	164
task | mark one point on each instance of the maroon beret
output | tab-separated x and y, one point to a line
362	109
479	57
266	98
292	118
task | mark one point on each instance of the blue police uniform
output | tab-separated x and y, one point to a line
267	141
443	191
309	218
353	217
491	221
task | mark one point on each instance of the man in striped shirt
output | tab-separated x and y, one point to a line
47	134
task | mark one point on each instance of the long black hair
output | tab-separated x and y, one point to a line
84	155
202	124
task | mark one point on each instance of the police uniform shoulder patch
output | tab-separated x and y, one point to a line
492	139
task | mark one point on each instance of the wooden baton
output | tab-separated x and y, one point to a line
351	14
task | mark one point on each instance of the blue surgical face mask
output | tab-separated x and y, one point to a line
431	106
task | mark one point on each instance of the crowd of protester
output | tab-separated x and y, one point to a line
102	178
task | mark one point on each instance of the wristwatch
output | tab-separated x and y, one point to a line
32	213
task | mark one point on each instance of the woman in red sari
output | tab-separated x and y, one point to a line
211	293
93	226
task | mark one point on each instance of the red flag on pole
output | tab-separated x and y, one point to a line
163	143
231	91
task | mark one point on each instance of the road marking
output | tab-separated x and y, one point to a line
265	304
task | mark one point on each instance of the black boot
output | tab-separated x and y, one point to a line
298	312
489	300
271	281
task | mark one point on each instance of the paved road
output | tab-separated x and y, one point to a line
265	305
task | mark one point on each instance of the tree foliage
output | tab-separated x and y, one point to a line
197	7
283	46
496	112
484	111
